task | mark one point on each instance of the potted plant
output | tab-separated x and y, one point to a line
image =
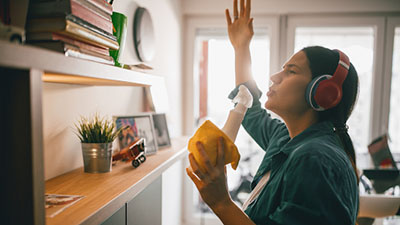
97	135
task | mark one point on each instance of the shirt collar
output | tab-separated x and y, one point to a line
315	130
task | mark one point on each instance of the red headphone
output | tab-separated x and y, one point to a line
325	91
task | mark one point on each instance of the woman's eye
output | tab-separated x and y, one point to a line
292	71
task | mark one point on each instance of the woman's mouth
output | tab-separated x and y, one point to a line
270	92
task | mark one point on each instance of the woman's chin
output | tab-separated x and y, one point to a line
268	105
271	106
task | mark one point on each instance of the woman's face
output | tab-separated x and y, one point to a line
286	94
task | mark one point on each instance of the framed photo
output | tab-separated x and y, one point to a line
161	130
140	126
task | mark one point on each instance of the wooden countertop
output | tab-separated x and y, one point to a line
107	192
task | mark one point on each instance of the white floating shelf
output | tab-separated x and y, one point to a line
58	68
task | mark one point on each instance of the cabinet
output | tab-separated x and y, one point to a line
143	209
23	69
118	218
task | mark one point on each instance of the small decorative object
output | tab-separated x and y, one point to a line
143	35
133	153
141	67
119	21
380	153
12	33
96	135
138	126
161	130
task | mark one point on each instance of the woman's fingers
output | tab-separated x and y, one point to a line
251	24
204	157
193	177
221	149
245	10
248	8
228	17
195	167
235	9
242	8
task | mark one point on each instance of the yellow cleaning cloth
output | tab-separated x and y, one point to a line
208	135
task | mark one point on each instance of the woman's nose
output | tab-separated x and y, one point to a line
275	79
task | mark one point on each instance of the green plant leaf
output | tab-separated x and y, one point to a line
96	129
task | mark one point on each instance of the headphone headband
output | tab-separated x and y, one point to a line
342	69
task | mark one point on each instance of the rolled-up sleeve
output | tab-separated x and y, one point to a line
257	121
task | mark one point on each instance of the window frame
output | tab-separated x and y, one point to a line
282	30
190	79
392	23
378	23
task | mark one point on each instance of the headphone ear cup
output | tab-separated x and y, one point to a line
311	92
328	94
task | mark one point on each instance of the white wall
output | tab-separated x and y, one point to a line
63	104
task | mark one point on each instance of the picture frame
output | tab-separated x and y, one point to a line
140	126
161	130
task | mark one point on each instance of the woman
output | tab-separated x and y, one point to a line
308	174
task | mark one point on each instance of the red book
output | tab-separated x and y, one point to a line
84	9
95	9
88	15
103	5
71	26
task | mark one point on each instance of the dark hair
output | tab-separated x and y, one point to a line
324	61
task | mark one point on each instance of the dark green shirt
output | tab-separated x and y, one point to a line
312	180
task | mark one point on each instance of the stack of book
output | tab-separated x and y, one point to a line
77	28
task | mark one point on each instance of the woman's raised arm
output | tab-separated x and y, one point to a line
240	31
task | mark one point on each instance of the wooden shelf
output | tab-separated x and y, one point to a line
106	193
58	68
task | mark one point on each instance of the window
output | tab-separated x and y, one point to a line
216	80
394	122
369	41
358	44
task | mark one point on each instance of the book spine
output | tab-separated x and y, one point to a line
42	36
103	5
80	44
95	9
90	17
59	23
43	24
90	26
56	46
89	52
76	31
47	9
63	7
73	52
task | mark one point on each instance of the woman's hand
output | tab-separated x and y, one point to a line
211	183
240	30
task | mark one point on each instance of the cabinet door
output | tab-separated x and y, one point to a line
145	208
118	218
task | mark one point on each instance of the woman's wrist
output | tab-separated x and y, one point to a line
222	206
242	47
